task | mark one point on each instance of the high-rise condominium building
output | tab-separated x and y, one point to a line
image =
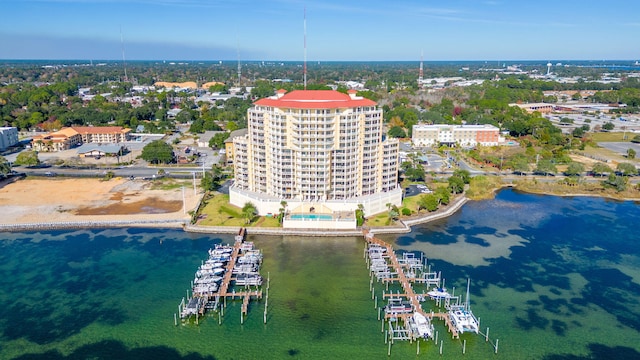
316	149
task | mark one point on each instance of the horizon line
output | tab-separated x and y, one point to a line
319	61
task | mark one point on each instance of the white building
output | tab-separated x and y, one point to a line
8	137
321	151
462	135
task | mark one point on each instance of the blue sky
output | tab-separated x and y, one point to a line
373	30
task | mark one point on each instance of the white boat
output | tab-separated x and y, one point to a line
248	279
423	325
462	317
438	293
398	306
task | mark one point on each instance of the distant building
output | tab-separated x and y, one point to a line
70	137
462	135
229	150
542	108
8	137
99	150
321	151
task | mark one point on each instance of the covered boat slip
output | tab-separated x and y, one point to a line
403	313
229	272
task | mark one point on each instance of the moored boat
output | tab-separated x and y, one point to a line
423	326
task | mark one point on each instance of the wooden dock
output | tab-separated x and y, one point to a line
224	291
405	282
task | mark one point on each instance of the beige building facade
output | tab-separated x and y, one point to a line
315	149
70	137
462	135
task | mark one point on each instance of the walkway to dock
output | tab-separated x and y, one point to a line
406	285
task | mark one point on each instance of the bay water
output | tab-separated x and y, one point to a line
551	277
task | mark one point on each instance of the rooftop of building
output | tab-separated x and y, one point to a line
440	126
315	99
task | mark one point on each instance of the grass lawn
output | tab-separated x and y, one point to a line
602	154
218	212
611	136
171	184
381	219
483	187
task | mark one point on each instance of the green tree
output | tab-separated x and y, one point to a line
360	215
627	169
608	126
546	167
636	139
5	166
157	152
428	202
631	153
27	158
600	169
615	182
574	169
463	174
443	195
282	211
578	132
456	184
249	211
217	141
519	163
397	132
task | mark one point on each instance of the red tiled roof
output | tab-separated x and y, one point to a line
315	99
100	129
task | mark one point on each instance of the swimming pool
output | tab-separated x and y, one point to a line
311	217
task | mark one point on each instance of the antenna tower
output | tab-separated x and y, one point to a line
420	77
304	67
239	66
124	62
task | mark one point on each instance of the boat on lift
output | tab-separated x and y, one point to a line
424	326
462	317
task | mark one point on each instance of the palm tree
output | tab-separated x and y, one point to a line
249	211
283	210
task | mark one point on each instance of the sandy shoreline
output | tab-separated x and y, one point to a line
33	201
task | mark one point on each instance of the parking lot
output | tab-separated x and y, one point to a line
620	147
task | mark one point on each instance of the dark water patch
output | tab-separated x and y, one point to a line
405	240
533	320
144	231
599	352
614	292
559	327
476	241
555	291
37	322
558	306
110	349
293	352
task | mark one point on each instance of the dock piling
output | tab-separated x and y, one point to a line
496	346
175	319
486	336
440	347
464	346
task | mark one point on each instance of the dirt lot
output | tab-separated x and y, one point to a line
54	200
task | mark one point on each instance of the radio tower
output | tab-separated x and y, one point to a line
420	76
239	66
124	63
304	67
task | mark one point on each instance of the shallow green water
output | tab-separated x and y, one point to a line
553	278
